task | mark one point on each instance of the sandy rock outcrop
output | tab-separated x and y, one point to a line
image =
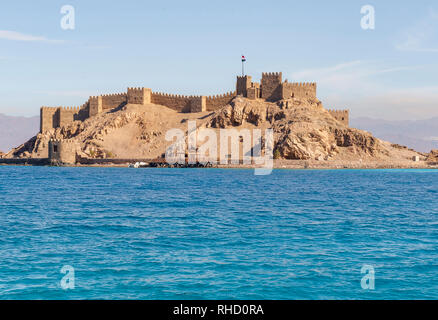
303	130
432	156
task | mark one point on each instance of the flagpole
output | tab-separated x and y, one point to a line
243	68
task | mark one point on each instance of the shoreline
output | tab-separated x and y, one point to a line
278	164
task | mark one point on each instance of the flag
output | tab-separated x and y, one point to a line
243	59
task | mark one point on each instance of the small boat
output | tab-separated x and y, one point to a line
138	165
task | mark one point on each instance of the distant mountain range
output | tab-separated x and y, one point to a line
17	130
421	135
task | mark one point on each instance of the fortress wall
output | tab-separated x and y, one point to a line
176	102
139	96
253	93
55	117
94	105
271	86
97	104
242	84
341	115
66	115
198	104
183	103
83	112
298	90
48	118
286	91
63	151
218	101
111	101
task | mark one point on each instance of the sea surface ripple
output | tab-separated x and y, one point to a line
217	233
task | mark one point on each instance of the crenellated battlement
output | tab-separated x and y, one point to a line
272	75
217	101
66	141
176	96
242	85
49	108
338	111
111	101
340	115
72	109
271	88
303	84
224	95
95	105
54	117
179	102
299	90
139	95
63	151
111	95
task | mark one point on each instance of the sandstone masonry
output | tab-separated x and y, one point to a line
271	88
63	151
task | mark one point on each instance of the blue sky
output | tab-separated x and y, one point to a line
194	47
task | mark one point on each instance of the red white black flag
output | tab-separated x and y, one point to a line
243	59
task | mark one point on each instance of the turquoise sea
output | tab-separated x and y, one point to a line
217	233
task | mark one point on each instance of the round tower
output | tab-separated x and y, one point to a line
63	151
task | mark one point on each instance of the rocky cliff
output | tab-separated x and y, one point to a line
433	156
303	130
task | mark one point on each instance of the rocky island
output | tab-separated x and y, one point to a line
131	126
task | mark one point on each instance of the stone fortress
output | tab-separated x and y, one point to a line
117	129
271	88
